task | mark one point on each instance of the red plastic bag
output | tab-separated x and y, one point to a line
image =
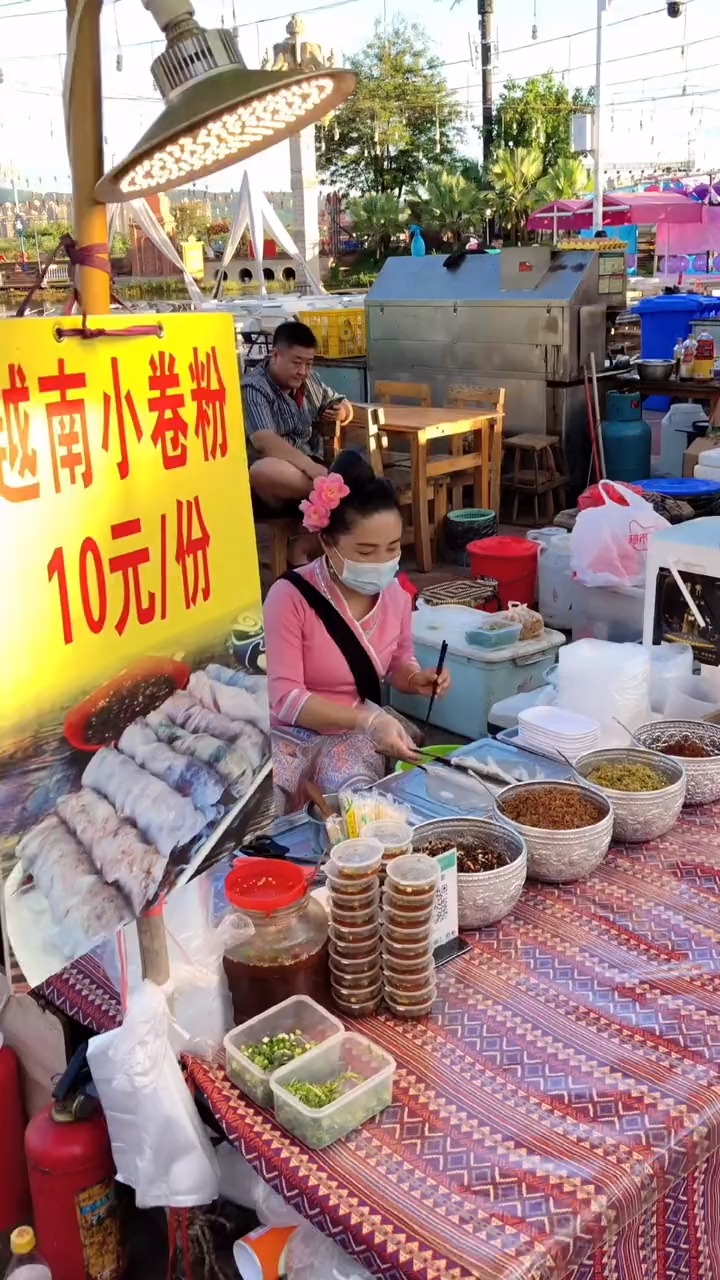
608	545
593	497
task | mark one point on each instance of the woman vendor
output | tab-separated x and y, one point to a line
335	629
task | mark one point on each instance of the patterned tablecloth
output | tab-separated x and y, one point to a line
558	1115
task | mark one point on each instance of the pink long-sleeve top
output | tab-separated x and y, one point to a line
302	660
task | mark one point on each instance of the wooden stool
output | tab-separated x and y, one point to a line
282	530
535	469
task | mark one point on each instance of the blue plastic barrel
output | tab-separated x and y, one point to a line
684	488
665	319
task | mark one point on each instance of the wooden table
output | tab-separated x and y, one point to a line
419	427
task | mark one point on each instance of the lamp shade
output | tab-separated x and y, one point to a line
222	117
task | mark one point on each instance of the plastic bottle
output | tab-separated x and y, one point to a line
687	363
704	365
677	357
26	1263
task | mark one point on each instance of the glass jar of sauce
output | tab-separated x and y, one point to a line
287	952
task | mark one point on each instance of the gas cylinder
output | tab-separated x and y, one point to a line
76	1213
14	1189
627	438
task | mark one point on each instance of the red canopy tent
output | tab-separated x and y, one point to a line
646	208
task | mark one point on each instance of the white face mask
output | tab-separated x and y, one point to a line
367	578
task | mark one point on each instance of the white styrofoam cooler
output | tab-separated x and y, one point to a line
480	677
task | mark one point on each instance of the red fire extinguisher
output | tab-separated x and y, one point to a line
14	1190
75	1208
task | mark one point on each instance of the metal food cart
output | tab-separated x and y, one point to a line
526	319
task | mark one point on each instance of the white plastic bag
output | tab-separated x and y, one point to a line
608	546
158	1141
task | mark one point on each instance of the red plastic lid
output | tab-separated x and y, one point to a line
265	886
504	547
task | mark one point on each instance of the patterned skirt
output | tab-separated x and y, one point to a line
332	761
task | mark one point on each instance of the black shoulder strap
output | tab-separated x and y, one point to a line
362	667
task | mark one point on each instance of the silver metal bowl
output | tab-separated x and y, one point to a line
319	837
703	776
484	897
654	370
640	815
561	856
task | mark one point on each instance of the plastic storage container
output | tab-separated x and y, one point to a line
479	678
340	334
669	664
604	613
491	632
555	579
287	952
692	698
296	1015
371	1094
512	561
678	422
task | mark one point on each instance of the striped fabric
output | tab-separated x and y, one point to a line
269	408
557	1117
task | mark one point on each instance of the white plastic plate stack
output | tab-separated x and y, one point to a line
557	733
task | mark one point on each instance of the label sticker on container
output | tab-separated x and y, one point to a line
99	1224
445	920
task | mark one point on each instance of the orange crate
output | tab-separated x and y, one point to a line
340	334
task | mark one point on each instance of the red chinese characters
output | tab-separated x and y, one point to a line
209	397
67	428
18	459
119	408
192	544
170	430
140	568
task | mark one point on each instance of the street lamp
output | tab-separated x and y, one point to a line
216	110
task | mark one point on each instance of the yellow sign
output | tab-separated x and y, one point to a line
125	515
193	252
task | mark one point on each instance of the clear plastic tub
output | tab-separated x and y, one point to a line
398	953
413	875
357	1009
371	1094
408	919
404	998
410	1010
300	1015
414	905
363	950
352	980
357	919
355	858
351	901
409	980
491	632
350	965
342	933
395	837
394	933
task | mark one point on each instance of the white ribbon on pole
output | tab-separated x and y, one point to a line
147	221
253	209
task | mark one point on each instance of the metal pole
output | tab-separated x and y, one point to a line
599	175
486	13
85	149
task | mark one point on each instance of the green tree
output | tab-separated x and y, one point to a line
376	219
514	175
566	180
401	117
120	246
538	114
190	220
448	202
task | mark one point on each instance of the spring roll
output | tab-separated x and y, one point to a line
185	774
238	704
166	820
117	850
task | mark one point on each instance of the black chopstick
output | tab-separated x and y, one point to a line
438	673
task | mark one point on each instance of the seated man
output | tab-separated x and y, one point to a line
285	406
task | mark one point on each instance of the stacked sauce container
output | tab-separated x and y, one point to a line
354	901
395	838
407	932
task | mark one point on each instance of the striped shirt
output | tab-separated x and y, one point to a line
269	408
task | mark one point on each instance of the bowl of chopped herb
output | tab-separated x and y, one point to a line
567	827
646	789
492	865
281	1035
333	1089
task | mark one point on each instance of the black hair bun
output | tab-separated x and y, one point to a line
355	471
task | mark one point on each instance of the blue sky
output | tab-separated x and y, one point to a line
648	118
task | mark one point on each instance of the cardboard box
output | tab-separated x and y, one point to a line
691	456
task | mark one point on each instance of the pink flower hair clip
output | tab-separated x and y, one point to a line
327	493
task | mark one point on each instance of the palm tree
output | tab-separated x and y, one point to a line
376	219
514	175
448	202
566	179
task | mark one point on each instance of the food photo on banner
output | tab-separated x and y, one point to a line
134	723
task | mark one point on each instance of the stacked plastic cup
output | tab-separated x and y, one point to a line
354	897
407	932
395	838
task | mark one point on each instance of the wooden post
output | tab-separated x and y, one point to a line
85	148
153	946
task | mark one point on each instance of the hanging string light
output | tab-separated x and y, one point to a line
118	55
535	24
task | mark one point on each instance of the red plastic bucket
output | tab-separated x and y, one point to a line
513	561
